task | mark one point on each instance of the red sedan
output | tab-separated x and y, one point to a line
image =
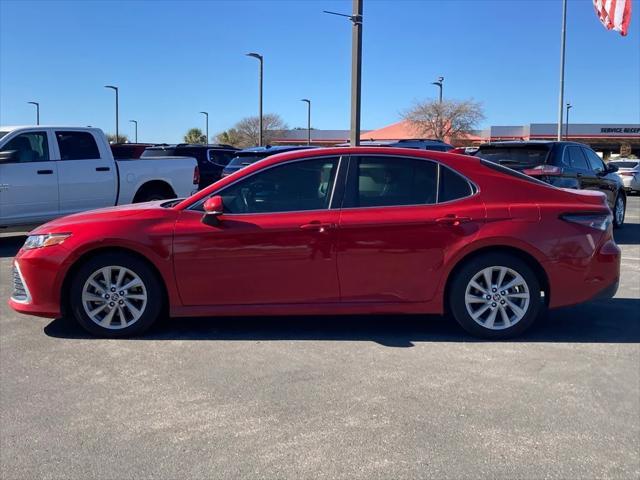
330	231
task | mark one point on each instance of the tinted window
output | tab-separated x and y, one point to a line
515	157
77	146
387	181
244	160
158	152
573	158
452	185
30	147
596	163
219	157
295	186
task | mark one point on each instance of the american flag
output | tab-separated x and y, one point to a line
614	14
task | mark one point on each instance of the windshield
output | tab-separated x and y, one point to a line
2	134
625	164
244	160
515	157
158	152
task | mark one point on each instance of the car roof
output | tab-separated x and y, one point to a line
276	148
524	143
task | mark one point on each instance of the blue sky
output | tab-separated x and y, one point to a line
172	59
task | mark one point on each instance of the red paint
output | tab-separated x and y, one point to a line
357	260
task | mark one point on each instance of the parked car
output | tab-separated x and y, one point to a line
124	151
629	171
330	231
48	172
251	155
563	164
211	158
419	143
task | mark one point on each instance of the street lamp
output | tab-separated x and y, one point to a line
261	60
206	114
566	133
115	89
37	111
308	102
135	122
439	85
356	68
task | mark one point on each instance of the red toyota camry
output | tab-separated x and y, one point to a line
330	231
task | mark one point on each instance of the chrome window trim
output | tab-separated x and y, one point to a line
340	158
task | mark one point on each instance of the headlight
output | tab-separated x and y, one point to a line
46	240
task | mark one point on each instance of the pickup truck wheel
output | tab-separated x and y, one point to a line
495	296
115	295
619	210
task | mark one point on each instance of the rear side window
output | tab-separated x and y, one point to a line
595	162
573	158
77	146
452	185
220	158
391	181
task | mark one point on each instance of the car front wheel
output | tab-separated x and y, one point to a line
115	295
495	296
619	210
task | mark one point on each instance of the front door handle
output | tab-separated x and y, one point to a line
102	169
319	226
45	172
452	220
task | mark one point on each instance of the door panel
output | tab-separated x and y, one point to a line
597	179
29	183
86	180
257	259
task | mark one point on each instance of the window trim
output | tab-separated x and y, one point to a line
330	206
439	165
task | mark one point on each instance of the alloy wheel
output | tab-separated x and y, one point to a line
619	210
114	297
497	297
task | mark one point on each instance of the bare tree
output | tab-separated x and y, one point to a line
195	135
245	133
111	138
449	119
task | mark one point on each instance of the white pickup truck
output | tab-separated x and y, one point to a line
48	172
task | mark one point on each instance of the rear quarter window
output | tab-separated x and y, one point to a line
453	185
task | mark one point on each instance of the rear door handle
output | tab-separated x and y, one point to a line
102	169
45	172
319	226
452	220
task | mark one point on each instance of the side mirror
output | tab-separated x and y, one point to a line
612	168
214	206
9	156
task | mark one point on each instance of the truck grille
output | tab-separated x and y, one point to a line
20	293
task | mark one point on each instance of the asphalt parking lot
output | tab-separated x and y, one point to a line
342	397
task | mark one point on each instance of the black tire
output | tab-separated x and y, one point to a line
619	223
469	270
151	196
153	306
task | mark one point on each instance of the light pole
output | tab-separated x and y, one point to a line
206	114
37	111
356	68
261	60
563	42
115	89
308	102
135	122
566	132
439	85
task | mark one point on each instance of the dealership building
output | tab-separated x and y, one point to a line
605	138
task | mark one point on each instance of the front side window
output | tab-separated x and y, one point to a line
573	158
77	146
295	186
595	162
391	181
28	147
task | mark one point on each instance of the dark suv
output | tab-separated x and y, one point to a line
253	154
211	158
562	164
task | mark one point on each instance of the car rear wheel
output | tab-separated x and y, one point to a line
495	296
619	210
115	295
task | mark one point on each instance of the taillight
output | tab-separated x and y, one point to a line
196	175
541	170
599	221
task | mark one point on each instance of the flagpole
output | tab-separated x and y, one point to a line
562	49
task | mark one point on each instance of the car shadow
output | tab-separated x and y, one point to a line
612	321
10	245
629	234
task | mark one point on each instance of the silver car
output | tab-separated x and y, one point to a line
629	172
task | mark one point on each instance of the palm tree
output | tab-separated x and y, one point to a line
195	135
